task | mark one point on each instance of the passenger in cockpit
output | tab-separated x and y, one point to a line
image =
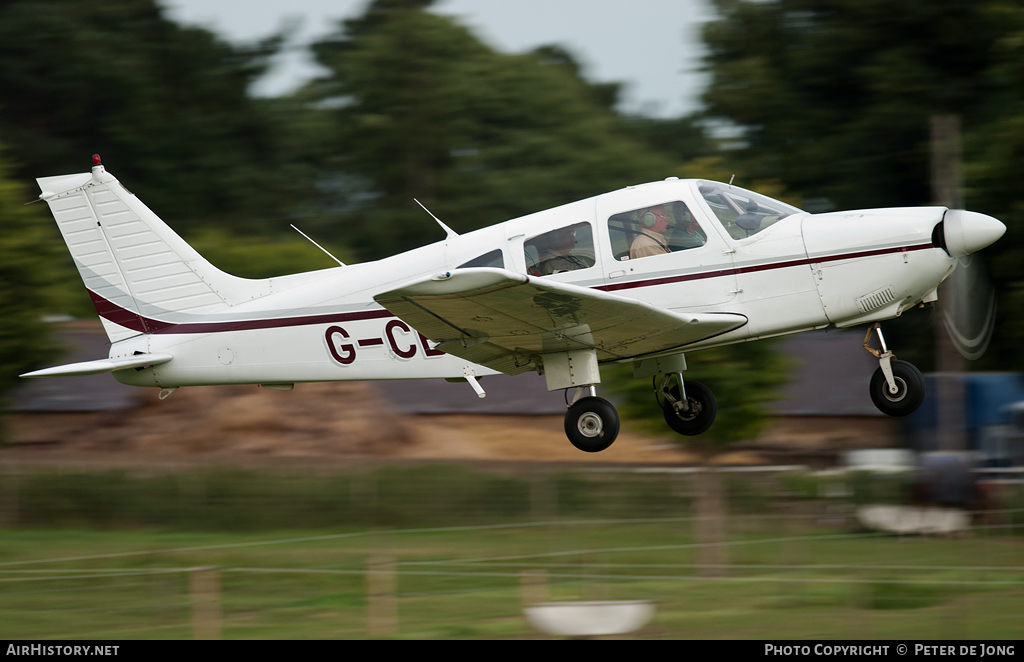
688	233
556	252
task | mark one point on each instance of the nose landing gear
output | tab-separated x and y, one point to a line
897	387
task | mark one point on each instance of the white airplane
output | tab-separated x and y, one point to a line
641	275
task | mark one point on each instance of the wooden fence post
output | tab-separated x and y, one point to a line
533	587
709	525
382	604
8	500
204	585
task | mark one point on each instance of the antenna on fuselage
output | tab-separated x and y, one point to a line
340	263
451	233
732	178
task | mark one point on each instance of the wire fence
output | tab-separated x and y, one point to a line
772	557
334	592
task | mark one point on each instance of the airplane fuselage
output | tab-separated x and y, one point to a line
802	272
641	275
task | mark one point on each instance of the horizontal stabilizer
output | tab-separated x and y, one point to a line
101	366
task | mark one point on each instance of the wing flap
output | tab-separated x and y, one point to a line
100	366
504	320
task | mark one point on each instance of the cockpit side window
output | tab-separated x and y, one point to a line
566	249
492	259
655	230
743	213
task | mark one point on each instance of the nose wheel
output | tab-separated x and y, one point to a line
897	387
592	424
907	395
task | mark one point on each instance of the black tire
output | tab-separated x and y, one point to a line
701	414
909	390
591	424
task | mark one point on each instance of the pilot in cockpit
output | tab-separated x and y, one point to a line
651	239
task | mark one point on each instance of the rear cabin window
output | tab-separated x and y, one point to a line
565	249
492	259
655	230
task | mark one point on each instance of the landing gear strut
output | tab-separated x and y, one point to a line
689	408
591	423
897	387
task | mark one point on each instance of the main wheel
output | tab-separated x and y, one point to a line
591	424
698	417
909	389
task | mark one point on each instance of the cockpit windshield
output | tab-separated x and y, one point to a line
743	213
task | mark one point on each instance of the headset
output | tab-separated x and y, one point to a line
648	219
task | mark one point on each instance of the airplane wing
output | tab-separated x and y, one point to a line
505	320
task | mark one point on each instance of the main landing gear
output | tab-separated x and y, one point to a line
689	408
591	423
897	387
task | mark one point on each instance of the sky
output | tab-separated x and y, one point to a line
651	45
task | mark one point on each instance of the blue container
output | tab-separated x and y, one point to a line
987	395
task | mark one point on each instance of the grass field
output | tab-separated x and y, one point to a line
792	573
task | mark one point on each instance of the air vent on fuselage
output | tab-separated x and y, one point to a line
876	299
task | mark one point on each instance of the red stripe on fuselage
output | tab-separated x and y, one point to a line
118	315
759	267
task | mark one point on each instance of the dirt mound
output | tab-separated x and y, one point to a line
333	419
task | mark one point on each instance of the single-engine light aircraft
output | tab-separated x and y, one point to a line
641	275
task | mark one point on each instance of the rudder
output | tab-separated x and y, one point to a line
140	274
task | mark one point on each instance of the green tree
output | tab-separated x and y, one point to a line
677	138
27	276
994	154
166	106
745	379
834	96
416	106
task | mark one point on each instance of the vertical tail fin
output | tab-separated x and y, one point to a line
140	274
